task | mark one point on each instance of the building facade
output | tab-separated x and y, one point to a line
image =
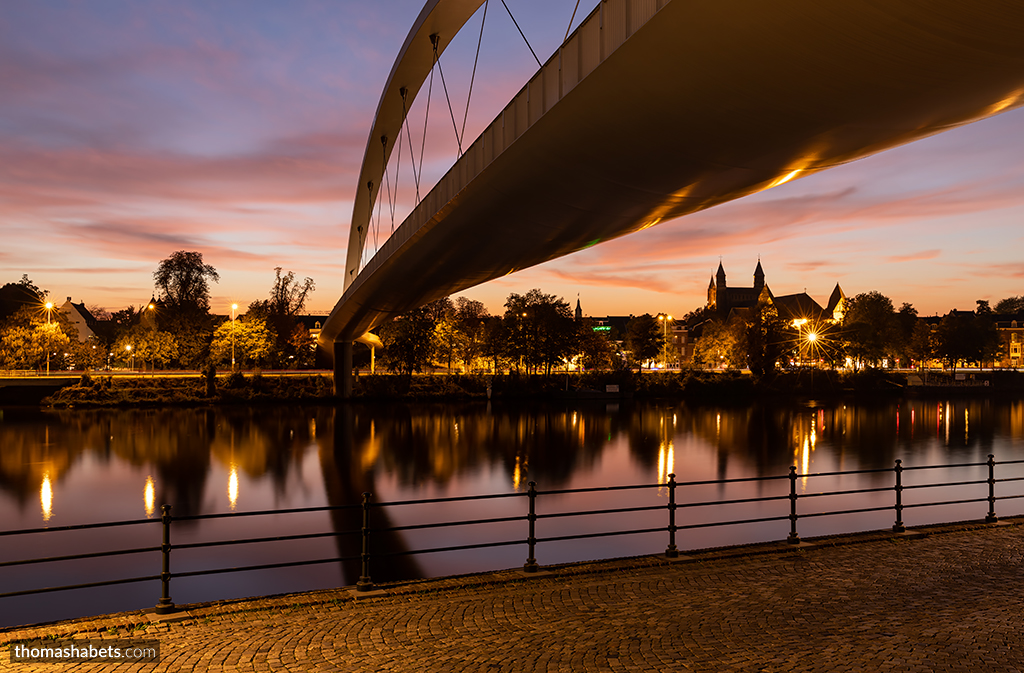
727	302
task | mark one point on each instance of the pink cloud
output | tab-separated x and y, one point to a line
592	278
915	256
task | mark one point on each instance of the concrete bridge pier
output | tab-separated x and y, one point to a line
343	369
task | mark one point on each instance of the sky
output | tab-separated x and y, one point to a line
236	128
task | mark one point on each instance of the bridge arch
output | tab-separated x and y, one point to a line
440	18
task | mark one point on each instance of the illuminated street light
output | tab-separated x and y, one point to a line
49	309
128	350
664	319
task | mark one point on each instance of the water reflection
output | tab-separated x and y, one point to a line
233	487
87	466
149	497
431	447
46	497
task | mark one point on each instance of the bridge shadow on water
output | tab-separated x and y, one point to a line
345	481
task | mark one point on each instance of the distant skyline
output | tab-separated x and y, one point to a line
129	131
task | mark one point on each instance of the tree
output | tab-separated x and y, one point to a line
1010	305
922	347
31	333
147	345
963	336
596	350
870	327
643	338
765	338
126	317
446	331
288	296
249	338
182	282
302	347
286	301
183	287
906	321
540	330
408	342
718	346
495	343
14	296
471	317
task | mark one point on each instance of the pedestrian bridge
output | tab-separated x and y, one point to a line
653	109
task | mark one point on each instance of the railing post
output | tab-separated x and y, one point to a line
365	583
793	537
991	518
165	605
672	551
898	526
531	563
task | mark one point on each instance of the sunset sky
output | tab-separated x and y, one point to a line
131	130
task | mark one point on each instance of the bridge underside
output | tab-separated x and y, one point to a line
709	101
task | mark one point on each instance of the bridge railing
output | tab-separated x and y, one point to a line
538	508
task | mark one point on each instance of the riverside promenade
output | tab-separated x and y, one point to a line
942	598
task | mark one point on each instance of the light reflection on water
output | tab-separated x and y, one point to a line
89	466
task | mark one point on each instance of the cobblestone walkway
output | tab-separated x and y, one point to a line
942	599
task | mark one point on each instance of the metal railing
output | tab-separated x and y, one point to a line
670	490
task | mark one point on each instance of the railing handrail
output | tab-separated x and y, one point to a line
531	517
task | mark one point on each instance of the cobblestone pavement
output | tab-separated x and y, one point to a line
941	599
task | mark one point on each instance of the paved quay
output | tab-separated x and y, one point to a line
945	598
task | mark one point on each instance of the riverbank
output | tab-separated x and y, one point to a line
692	385
934	598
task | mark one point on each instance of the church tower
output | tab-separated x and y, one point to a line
579	309
758	278
721	296
712	295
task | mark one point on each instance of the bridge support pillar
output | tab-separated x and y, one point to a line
343	369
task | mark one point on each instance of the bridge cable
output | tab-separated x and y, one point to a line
380	202
408	133
437	59
569	27
472	77
426	117
521	33
362	255
387	178
393	204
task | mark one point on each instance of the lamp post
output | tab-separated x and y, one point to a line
49	308
234	307
664	318
801	340
128	350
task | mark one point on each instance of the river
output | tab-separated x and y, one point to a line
60	468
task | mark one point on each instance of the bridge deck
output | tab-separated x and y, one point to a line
705	102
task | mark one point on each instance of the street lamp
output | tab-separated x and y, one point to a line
664	318
49	308
128	350
234	307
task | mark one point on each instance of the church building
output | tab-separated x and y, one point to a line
728	302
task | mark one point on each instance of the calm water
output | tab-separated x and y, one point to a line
70	467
